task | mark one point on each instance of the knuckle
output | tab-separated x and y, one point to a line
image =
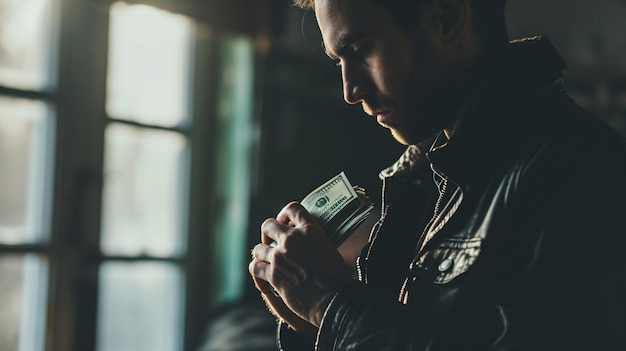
309	228
293	240
252	267
266	223
292	205
307	233
301	277
279	258
256	252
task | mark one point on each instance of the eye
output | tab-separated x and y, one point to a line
362	49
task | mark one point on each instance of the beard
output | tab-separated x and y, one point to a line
426	101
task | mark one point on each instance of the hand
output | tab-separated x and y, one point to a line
296	258
280	310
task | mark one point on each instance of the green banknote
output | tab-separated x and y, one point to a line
339	207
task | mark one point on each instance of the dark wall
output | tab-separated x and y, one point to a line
591	36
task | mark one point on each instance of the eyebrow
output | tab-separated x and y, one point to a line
343	43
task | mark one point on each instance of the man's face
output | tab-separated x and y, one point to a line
398	76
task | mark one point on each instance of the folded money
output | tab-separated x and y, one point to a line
339	207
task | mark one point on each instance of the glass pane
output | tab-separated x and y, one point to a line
140	307
25	157
145	186
25	43
149	65
23	283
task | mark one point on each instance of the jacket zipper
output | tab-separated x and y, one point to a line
361	270
442	193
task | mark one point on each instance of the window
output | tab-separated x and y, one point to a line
124	147
146	179
27	128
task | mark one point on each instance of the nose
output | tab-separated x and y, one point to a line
356	86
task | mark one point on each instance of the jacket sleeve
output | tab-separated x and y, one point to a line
360	318
288	339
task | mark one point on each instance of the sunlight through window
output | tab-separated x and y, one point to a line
149	65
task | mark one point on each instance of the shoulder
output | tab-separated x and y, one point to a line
570	139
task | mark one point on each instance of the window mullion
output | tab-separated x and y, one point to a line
76	211
202	140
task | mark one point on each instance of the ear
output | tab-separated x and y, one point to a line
454	18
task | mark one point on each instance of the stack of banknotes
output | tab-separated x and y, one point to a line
339	207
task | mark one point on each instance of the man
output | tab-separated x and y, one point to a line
502	225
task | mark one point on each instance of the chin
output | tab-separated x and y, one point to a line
408	137
402	138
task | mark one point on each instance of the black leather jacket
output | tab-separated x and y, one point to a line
525	250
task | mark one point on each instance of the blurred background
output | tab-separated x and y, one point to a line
142	143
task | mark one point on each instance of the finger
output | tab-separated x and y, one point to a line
273	230
262	252
276	267
259	272
273	276
295	213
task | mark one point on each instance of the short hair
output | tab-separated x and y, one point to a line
489	20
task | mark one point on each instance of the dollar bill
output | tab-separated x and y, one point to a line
339	207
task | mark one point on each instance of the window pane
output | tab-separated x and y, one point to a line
25	145
23	282
149	65
144	192
25	39
139	307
